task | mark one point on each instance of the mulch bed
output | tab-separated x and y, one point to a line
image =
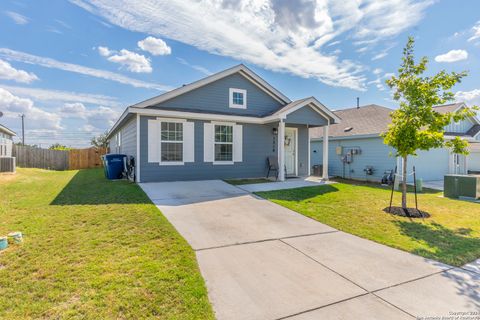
409	212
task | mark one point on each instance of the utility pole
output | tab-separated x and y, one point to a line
23	128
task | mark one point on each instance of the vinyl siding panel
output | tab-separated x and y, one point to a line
128	144
306	115
460	127
214	97
258	144
429	165
373	153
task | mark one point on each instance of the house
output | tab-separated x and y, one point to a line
6	141
221	127
357	151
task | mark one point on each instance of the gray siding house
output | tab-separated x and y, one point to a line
220	127
6	141
356	145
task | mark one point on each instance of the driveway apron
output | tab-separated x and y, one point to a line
263	261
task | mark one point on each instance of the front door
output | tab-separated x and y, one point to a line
291	151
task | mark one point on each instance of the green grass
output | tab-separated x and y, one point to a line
450	235
237	182
94	249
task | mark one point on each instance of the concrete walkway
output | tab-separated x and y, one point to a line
263	261
281	185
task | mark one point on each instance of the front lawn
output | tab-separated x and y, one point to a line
450	235
93	249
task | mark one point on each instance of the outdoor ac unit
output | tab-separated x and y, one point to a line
461	186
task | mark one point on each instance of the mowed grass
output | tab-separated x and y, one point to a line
93	249
451	235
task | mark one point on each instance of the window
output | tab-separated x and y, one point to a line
171	142
223	143
238	98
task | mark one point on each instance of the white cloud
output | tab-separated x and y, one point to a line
37	118
98	73
452	56
17	17
98	117
8	72
280	35
377	71
475	32
201	69
380	55
155	46
104	51
132	61
48	95
470	97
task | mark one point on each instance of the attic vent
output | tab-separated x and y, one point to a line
348	129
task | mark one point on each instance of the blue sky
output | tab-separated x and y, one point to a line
73	66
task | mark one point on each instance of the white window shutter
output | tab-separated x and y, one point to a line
188	142
208	142
153	141
237	143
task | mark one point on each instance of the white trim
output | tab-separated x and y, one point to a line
309	151
325	152
320	108
171	163
281	150
223	162
137	160
296	164
254	78
233	105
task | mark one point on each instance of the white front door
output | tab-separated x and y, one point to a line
291	151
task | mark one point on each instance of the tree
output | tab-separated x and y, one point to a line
415	124
100	141
58	146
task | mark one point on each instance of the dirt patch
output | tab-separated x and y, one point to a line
408	212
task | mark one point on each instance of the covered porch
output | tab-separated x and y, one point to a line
293	131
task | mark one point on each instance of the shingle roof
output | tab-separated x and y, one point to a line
369	119
448	107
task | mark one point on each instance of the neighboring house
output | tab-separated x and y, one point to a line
6	141
355	146
222	126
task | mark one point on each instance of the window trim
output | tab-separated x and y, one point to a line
234	105
170	120
230	124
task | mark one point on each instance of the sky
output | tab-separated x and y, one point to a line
73	66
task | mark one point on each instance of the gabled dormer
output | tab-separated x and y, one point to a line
468	128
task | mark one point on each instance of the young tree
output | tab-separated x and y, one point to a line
59	146
100	141
415	124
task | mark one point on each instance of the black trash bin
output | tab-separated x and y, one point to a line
114	165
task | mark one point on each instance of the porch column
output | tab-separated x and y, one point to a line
281	150
325	151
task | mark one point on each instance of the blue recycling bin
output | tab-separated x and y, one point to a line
113	165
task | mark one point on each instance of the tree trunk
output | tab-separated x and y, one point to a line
404	183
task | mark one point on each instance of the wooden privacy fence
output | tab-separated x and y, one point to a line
30	157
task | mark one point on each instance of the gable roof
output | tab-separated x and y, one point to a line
452	107
242	69
6	130
311	102
366	120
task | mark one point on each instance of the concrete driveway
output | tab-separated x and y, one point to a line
263	261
